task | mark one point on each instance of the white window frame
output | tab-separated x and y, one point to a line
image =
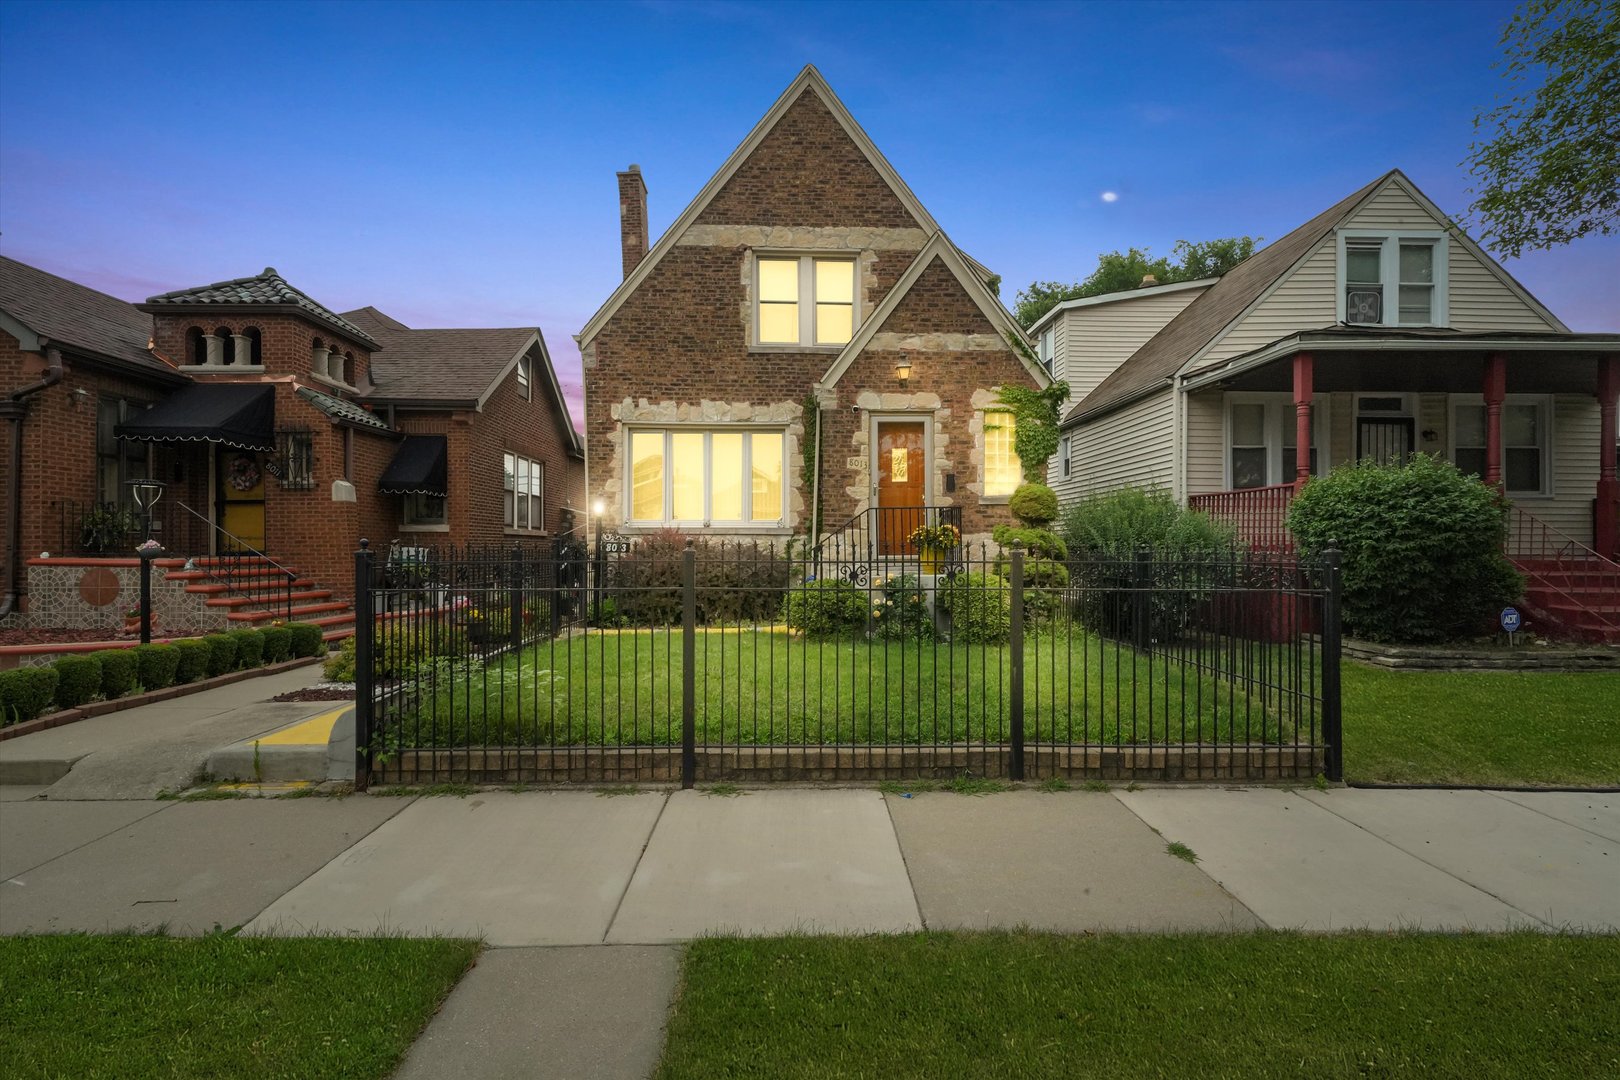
1390	269
1279	420
1048	344
525	373
807	307
1544	428
525	466
1063	455
666	520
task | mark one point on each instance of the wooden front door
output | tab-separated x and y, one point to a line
239	506
1386	441
902	466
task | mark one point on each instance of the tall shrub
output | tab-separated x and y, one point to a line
1422	548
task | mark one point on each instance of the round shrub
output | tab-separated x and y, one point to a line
221	654
307	639
277	644
156	665
979	607
25	693
117	672
826	608
78	679
249	647
1124	521
193	665
1043	543
1034	504
1422	548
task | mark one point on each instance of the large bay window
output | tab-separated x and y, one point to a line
1392	279
1262	439
804	300
523	484
1526	439
1002	471
694	477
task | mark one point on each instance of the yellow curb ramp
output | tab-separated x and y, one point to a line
300	751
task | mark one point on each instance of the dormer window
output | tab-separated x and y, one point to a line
804	300
1392	279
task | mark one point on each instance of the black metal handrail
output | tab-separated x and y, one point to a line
863	535
269	590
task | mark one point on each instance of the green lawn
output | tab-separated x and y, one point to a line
138	1007
764	687
1481	727
1252	1005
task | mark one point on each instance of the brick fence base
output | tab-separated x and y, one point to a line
767	763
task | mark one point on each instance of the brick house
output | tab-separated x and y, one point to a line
803	331
280	428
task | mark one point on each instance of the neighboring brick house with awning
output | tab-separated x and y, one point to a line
274	423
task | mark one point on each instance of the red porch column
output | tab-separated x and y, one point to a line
1304	380
1606	522
1495	391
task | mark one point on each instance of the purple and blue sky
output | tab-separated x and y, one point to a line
453	163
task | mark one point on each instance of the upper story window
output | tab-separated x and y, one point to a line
1046	348
223	348
1002	471
804	300
1393	279
524	373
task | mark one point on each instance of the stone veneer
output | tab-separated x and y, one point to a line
67	594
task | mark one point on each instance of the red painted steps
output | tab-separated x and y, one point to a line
252	593
1580	600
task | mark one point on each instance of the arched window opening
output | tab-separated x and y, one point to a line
196	347
221	351
255	346
348	369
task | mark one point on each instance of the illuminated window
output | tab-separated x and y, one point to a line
707	477
804	300
1002	471
523	491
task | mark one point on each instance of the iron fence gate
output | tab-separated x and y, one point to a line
677	661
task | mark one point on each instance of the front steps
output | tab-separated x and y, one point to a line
1578	599
249	592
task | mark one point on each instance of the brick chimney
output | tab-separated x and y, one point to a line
632	217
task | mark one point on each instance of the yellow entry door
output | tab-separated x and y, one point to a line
241	499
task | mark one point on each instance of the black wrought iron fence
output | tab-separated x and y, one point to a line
113	530
696	660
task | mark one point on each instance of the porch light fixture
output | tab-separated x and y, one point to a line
598	508
146	493
902	370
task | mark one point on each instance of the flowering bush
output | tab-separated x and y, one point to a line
903	613
939	538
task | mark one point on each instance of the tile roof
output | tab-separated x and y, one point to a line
338	409
437	365
1165	352
77	316
266	288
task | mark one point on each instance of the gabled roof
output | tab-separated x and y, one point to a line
454	368
1202	322
810	81
267	289
1118	297
38	305
941	249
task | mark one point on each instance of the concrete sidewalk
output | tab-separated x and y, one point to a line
139	753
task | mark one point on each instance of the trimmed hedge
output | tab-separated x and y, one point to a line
118	670
25	693
221	654
1034	504
193	665
980	608
78	680
156	665
307	638
826	608
277	644
1422	548
249	647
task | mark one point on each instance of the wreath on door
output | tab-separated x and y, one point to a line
244	473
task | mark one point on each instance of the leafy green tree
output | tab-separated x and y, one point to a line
1549	172
1121	271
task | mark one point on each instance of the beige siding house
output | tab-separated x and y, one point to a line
1377	329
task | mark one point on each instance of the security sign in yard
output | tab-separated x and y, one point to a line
1511	620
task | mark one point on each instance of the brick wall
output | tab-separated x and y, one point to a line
287	341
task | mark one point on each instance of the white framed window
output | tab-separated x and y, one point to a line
692	476
804	300
1046	348
525	366
1261	437
423	509
1002	471
1526	462
1393	278
1063	455
523	487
